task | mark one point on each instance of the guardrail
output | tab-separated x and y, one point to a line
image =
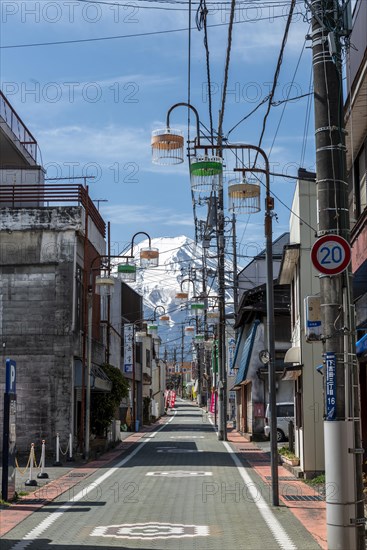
17	196
18	127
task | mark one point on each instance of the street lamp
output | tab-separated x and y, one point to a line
210	172
103	285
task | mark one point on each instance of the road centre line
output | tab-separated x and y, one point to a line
47	522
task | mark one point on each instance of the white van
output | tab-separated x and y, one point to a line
285	413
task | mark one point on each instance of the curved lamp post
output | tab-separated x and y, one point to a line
269	206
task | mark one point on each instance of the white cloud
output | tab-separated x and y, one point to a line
125	214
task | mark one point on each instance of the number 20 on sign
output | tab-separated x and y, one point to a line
331	254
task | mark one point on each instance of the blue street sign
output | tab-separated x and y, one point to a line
330	360
10	376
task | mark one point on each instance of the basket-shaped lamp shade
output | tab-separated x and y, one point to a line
126	272
212	316
197	308
205	173
167	146
244	197
152	330
208	344
182	296
104	285
139	336
189	331
164	319
149	257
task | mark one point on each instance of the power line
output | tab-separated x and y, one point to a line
277	70
117	37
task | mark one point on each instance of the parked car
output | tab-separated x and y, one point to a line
285	413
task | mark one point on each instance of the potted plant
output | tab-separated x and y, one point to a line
288	457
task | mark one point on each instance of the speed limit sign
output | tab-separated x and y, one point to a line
331	254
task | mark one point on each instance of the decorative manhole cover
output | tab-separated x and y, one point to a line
150	531
302	498
179	473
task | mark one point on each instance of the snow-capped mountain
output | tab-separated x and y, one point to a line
179	259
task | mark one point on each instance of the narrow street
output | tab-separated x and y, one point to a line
179	488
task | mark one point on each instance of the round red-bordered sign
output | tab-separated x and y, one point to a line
331	254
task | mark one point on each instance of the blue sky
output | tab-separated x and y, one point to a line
92	105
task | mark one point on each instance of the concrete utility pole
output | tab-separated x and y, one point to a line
343	453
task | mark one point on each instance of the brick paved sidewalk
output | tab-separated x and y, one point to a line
63	479
302	500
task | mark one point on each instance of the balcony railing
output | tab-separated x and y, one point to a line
18	196
18	127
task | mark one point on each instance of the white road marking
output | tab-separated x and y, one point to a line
47	522
151	531
271	521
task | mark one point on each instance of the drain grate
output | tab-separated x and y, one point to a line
302	498
76	474
284	478
32	501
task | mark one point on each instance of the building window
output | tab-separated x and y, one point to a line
79	301
360	181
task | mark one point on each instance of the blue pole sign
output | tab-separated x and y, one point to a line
9	436
10	376
330	359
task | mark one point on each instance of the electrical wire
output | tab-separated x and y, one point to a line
201	23
277	70
226	69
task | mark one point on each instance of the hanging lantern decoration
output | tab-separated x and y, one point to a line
205	172
244	195
197	308
126	272
199	339
212	316
149	257
167	146
189	331
164	319
208	344
152	330
104	285
139	336
182	296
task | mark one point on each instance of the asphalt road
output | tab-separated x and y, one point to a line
179	489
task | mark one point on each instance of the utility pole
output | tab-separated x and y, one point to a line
343	453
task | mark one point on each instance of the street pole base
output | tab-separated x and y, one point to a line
31	483
42	475
57	463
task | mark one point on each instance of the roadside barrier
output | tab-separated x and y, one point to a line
70	457
31	482
57	461
42	474
59	450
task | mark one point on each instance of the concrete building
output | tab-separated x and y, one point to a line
305	353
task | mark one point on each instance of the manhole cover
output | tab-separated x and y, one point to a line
302	498
149	531
76	474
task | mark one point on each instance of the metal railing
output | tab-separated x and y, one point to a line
17	196
18	127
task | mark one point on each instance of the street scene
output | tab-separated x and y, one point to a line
177	487
183	274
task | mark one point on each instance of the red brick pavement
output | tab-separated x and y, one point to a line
312	514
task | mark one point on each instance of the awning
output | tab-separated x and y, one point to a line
99	380
293	355
239	338
361	347
289	261
246	354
